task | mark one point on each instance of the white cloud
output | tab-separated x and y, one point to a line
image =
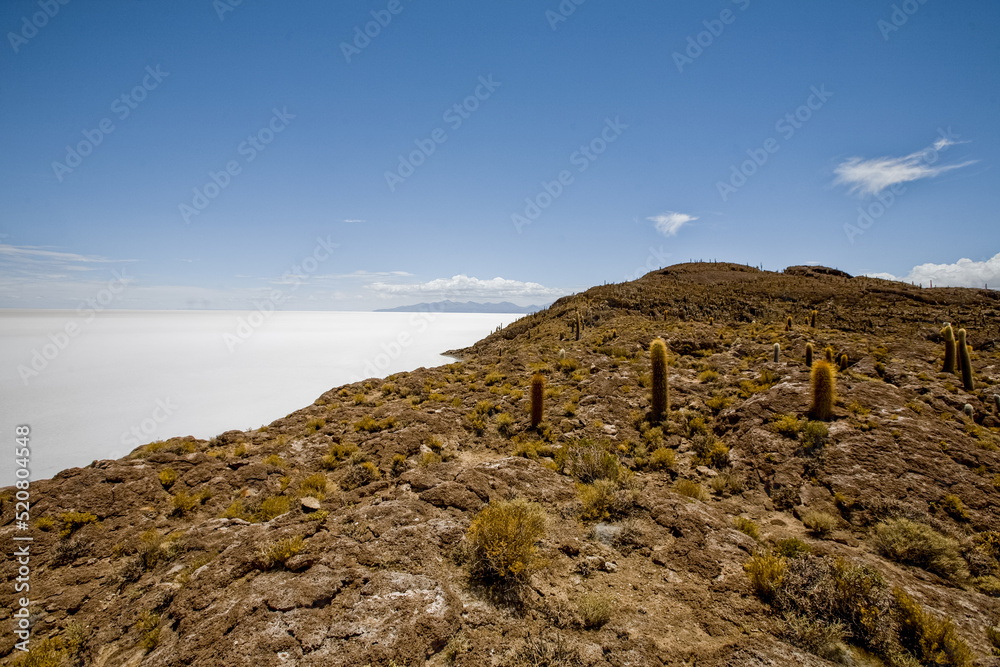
883	276
462	286
352	220
872	176
963	273
670	223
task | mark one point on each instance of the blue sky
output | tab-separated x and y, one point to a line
546	146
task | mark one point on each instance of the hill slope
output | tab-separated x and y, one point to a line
213	552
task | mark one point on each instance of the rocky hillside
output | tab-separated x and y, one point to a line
737	531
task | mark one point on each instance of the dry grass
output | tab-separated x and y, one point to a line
913	543
502	539
691	489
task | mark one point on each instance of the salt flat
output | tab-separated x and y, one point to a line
97	388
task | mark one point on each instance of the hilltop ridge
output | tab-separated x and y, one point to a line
736	532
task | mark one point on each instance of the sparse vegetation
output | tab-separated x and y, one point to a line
918	544
279	552
595	609
502	539
691	489
820	524
747	526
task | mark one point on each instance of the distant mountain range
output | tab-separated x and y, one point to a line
462	307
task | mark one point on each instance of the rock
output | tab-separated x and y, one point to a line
310	504
452	494
605	533
419	479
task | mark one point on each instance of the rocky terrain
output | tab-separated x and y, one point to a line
736	532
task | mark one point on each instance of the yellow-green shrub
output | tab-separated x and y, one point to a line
502	538
167	477
765	571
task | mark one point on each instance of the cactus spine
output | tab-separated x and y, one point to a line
823	380
777	352
809	355
963	353
661	391
949	349
537	398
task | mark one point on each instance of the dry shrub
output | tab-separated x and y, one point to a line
820	524
314	485
766	571
818	637
747	527
589	461
502	540
691	489
914	543
278	552
663	459
595	609
361	474
605	499
933	640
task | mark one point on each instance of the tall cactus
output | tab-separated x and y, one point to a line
579	325
537	398
824	390
812	318
809	355
661	391
788	323
829	355
949	349
963	353
843	362
777	352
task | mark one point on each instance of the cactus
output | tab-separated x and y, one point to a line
809	355
788	323
843	362
812	318
949	349
711	321
777	352
579	325
537	398
824	384
966	359
829	355
996	401
661	392
967	409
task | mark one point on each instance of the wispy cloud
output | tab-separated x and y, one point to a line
462	286
353	220
670	223
38	254
963	273
872	176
